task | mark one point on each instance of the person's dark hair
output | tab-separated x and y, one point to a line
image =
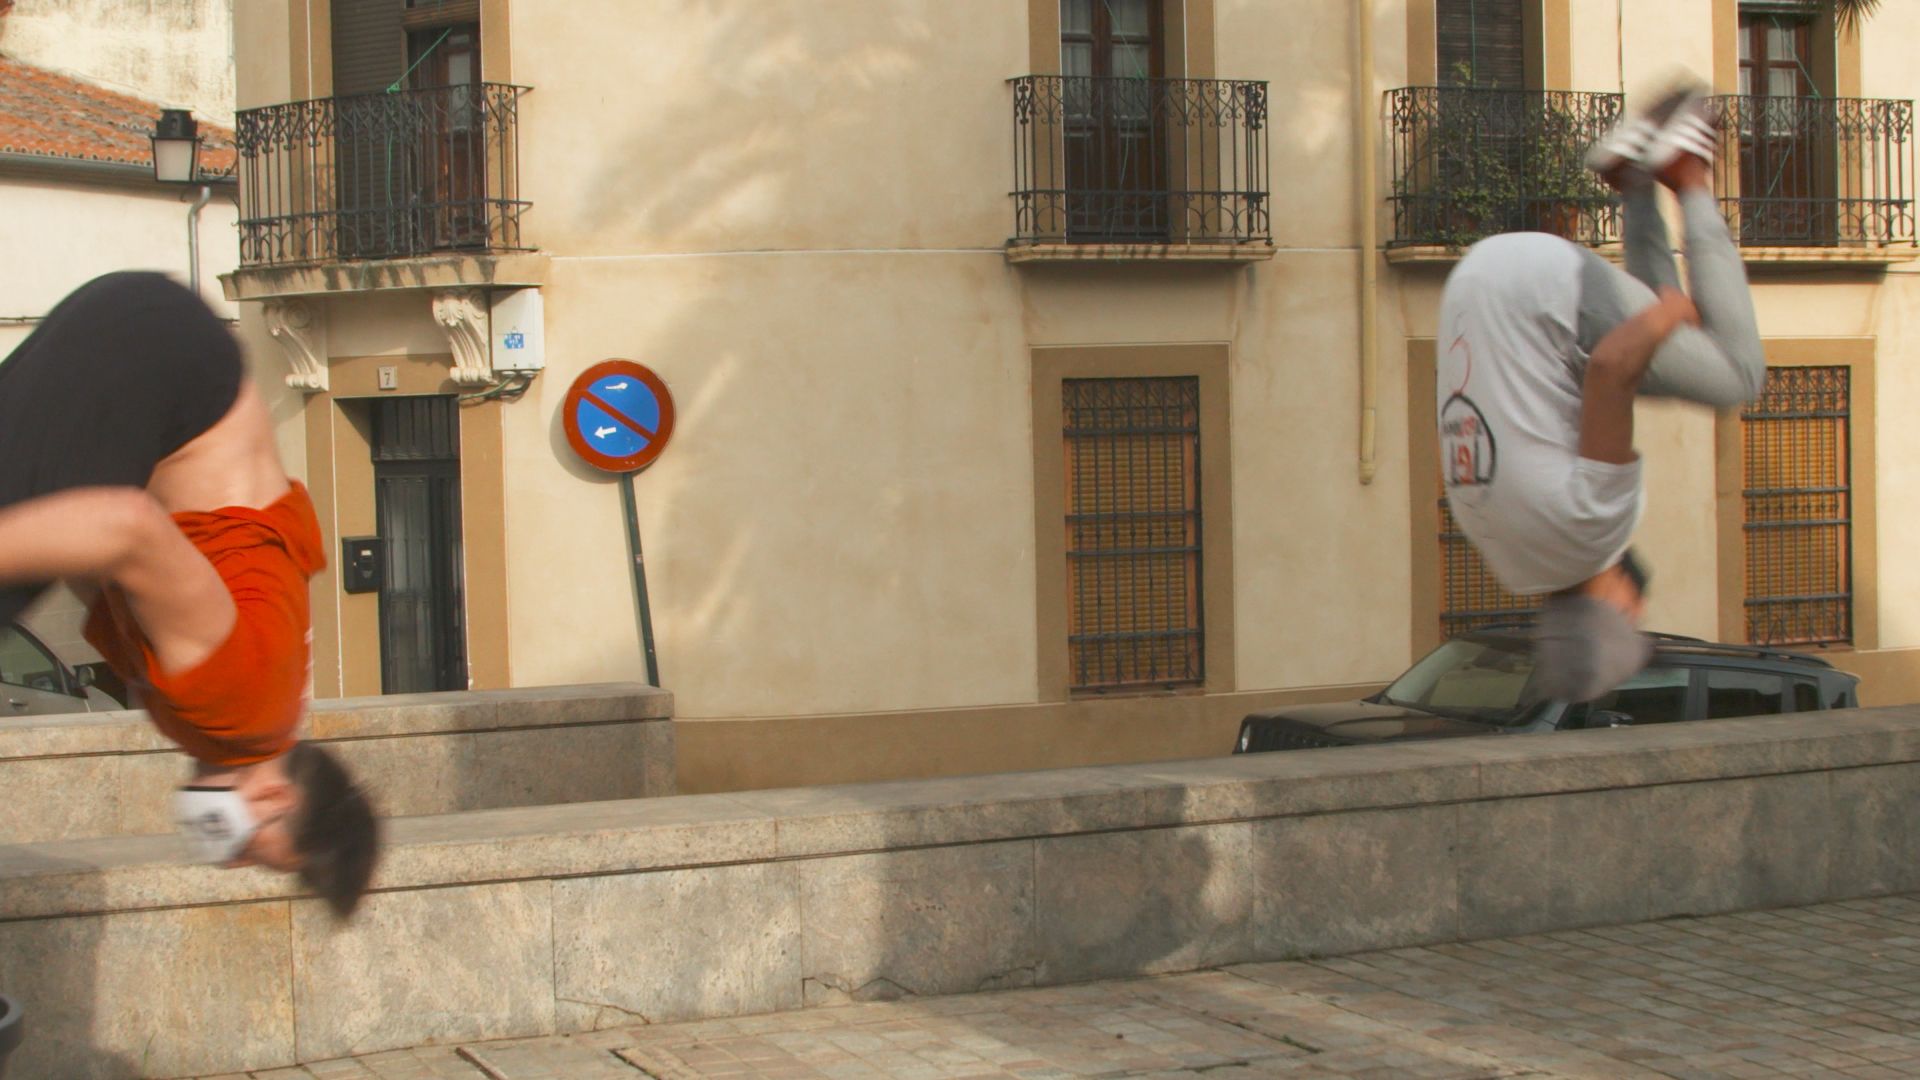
334	829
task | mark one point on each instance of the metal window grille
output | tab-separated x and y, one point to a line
381	176
1797	489
1133	533
416	467
1126	160
1470	596
1469	162
1812	172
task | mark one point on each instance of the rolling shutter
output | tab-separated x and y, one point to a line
1481	43
369	45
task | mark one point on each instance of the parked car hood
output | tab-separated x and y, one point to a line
1365	721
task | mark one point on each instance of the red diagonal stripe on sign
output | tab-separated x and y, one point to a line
617	415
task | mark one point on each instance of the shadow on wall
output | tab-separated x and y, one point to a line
800	101
50	966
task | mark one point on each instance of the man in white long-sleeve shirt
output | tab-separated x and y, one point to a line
1543	347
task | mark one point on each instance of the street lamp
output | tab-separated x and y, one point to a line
176	160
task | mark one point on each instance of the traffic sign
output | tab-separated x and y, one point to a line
618	416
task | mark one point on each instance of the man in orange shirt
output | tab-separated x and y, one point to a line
138	463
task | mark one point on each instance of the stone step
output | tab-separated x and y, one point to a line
79	776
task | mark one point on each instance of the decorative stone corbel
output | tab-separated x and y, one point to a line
302	335
462	313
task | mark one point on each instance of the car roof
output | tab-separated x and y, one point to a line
1670	646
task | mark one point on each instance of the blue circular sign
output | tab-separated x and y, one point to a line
618	416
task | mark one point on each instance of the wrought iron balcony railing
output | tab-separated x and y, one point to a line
380	176
1816	172
1468	163
1139	161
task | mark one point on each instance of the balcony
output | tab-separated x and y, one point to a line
1122	168
1801	173
393	176
1799	179
1468	163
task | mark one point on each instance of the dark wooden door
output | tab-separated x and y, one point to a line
416	475
445	64
1111	57
1780	149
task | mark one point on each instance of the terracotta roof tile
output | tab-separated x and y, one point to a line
54	115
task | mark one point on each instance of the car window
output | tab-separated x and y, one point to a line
1743	693
1840	694
24	663
1806	695
1466	676
1658	695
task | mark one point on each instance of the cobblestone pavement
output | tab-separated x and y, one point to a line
1826	991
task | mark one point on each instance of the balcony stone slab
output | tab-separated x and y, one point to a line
1863	256
1178	253
516	271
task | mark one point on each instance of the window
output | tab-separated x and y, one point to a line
1657	695
1774	52
1798	521
1470	596
1481	43
1132	460
23	663
1114	140
1743	693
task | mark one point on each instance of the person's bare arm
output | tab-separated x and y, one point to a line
1614	370
123	536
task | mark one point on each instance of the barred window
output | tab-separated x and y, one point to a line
1133	533
1470	596
1797	491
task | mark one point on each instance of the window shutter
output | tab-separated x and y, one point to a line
1483	38
369	45
1799	508
1133	533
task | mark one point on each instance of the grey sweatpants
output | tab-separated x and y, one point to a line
1718	363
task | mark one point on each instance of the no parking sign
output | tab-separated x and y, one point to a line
618	416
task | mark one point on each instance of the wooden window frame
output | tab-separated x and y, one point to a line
1052	366
1186	38
1547	26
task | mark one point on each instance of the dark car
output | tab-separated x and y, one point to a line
1477	684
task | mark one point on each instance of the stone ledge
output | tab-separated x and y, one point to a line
340	719
516	270
86	775
629	836
1188	253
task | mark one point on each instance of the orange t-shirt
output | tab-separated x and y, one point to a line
241	704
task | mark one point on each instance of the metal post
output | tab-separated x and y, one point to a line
193	239
639	577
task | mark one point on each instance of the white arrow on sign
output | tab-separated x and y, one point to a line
617	386
601	433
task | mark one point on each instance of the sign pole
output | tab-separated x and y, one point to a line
639	577
618	416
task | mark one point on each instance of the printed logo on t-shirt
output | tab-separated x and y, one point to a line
1467	455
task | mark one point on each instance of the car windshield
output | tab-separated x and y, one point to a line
1473	680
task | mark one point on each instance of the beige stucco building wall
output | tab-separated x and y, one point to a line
796	213
177	52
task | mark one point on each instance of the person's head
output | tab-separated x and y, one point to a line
311	819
